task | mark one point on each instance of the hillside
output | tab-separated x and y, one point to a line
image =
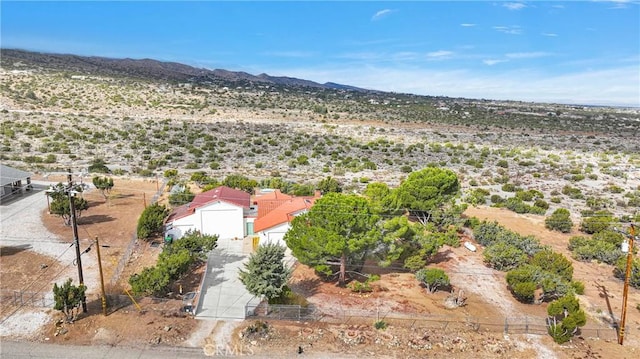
142	117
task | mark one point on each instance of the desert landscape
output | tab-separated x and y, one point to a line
57	113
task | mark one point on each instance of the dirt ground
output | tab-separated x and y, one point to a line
113	221
160	322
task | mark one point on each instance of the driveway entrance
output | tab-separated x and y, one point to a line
223	295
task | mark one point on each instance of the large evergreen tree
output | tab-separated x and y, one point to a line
338	229
424	191
265	275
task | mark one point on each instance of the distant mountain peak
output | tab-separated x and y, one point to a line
152	69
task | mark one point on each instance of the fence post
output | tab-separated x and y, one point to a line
526	325
506	325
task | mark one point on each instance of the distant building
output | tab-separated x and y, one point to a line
13	181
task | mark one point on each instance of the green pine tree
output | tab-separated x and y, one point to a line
265	275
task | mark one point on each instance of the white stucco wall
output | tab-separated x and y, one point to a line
274	234
221	218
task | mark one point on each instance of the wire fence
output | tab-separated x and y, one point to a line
507	325
26	299
115	277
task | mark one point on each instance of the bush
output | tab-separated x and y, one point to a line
596	222
433	278
565	317
620	270
151	221
553	262
522	282
560	220
380	324
586	249
504	256
98	165
174	261
517	205
578	287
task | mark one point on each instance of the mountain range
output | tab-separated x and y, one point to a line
153	69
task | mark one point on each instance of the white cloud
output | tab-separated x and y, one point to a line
526	55
467	25
549	34
381	14
439	54
614	86
511	30
491	62
514	5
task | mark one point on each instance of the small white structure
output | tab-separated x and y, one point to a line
222	211
470	246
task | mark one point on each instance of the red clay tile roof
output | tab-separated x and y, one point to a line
222	193
283	213
268	201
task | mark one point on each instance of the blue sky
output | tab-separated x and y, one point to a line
585	52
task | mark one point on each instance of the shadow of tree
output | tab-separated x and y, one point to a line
11	250
306	287
96	218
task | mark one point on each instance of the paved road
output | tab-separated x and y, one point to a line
223	295
18	350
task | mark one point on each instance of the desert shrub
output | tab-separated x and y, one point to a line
517	205
496	199
540	203
522	282
594	222
554	263
380	325
572	192
477	196
509	187
578	287
565	317
621	268
151	221
560	220
173	262
504	256
486	233
537	210
98	166
587	249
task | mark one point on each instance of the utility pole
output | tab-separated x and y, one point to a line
76	240
625	295
104	296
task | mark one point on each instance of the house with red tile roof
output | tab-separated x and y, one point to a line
271	227
269	199
222	211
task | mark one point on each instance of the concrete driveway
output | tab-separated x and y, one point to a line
223	295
